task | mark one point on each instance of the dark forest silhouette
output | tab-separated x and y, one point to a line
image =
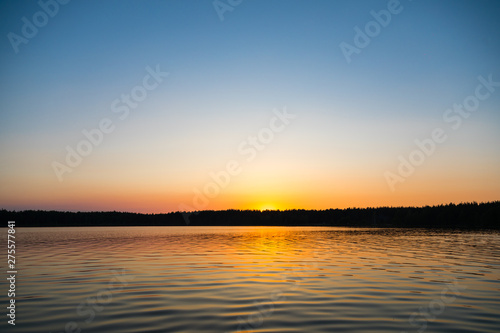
464	215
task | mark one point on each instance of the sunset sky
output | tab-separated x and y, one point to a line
263	105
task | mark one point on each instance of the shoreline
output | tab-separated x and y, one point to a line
468	216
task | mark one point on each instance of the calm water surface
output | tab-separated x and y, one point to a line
255	279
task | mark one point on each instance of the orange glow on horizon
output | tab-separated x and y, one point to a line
267	207
249	192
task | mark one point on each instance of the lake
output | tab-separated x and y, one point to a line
254	279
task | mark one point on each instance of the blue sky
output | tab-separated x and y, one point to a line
225	78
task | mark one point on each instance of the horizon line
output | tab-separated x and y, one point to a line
249	210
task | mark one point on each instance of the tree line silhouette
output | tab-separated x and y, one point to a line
464	216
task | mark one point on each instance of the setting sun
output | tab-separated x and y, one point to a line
267	207
250	166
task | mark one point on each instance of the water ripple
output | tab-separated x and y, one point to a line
254	279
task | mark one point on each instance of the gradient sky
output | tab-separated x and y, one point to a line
227	79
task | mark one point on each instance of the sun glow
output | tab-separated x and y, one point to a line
267	207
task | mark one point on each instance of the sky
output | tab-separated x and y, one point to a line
160	106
